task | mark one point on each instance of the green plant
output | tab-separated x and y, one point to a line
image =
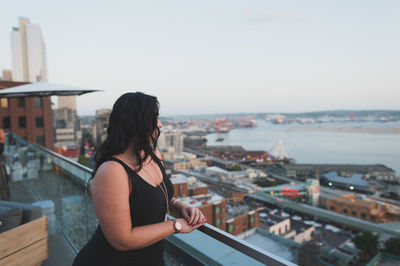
236	168
83	160
367	242
392	245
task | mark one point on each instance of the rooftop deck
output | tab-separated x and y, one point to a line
40	174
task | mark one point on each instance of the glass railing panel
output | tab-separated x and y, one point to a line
50	176
91	218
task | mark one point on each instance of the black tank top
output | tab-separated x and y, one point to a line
147	206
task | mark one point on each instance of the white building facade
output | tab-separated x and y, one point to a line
28	52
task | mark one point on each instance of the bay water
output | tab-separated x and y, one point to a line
310	145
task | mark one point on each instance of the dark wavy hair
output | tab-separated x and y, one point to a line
133	118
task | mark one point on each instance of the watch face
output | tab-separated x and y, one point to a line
178	226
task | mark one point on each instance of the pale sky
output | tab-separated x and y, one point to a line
220	56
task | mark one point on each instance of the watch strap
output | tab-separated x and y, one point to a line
174	220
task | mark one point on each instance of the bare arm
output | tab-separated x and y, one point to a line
192	215
110	194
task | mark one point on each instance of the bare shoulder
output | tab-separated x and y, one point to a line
110	174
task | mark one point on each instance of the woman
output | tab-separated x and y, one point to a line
130	190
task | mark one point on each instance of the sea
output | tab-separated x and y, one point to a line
327	143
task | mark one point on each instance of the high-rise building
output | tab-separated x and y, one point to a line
101	125
7	75
28	52
171	138
66	124
68	102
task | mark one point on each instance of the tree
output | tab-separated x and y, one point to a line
265	182
393	245
83	160
236	168
367	242
309	253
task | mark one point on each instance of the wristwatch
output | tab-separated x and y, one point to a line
177	225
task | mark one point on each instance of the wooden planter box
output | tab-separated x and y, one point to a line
26	244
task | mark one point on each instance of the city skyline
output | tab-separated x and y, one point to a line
202	58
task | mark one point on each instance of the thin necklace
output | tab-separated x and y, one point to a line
162	186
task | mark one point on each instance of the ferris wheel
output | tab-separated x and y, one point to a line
278	151
278	140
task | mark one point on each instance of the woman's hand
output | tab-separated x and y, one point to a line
186	228
193	216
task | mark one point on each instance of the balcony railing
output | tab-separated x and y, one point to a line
50	176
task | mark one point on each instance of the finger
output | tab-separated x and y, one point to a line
202	217
192	210
185	214
194	227
198	215
194	217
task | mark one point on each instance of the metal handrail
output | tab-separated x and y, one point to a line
78	165
244	247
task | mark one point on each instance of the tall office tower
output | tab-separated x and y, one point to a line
68	102
28	52
101	125
7	75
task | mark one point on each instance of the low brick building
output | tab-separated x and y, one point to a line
177	165
286	227
240	218
180	183
27	117
363	208
213	207
195	193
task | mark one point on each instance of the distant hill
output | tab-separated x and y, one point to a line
347	113
395	114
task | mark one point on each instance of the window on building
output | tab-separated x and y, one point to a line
363	215
231	227
38	102
61	123
244	221
40	140
217	209
39	121
345	210
4	103
21	102
332	208
6	122
280	232
373	218
22	122
217	222
354	213
251	219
